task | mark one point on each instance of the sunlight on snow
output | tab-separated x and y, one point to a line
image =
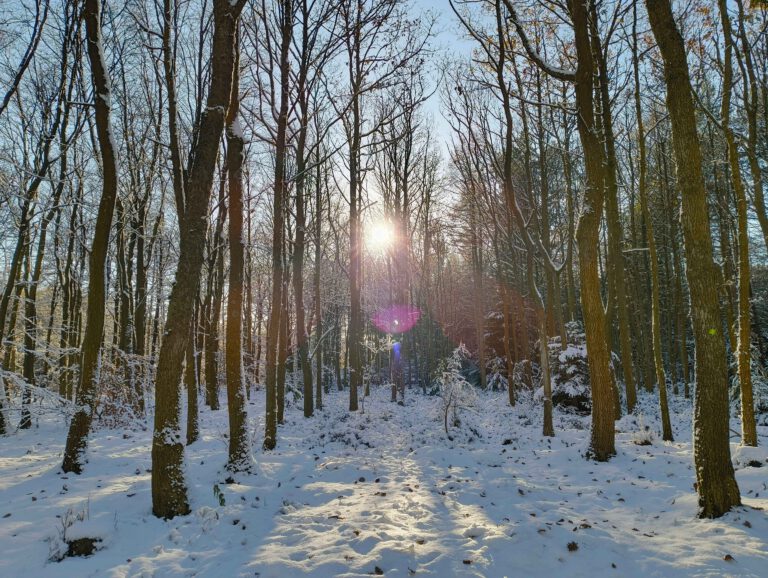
377	522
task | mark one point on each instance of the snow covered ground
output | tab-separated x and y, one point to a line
385	492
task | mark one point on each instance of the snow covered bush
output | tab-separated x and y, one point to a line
79	534
643	435
454	389
760	392
497	380
750	457
524	374
43	401
58	544
123	390
570	372
759	388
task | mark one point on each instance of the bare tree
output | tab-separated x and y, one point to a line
77	438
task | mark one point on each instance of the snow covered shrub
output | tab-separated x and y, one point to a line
294	378
759	388
43	401
455	391
497	380
750	457
760	392
523	374
370	375
78	535
643	435
570	372
123	384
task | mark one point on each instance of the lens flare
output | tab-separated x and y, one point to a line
396	318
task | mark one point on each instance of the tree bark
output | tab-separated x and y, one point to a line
215	297
169	493
743	349
239	446
661	378
318	290
77	437
616	270
602	441
278	228
716	483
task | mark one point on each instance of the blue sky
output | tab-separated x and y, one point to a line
449	40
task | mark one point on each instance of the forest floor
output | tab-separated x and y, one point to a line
385	491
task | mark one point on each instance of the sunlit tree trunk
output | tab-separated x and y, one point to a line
169	493
190	382
239	446
658	362
587	235
616	270
743	350
716	483
318	296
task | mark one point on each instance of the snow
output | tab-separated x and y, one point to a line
345	494
236	128
571	352
746	456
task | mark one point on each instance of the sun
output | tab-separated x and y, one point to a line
380	236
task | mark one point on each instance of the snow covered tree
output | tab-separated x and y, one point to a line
455	391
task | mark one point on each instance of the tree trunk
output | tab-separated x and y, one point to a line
77	437
302	339
239	446
661	378
190	381
743	350
588	236
169	493
216	291
278	226
716	483
283	343
616	270
318	296
354	331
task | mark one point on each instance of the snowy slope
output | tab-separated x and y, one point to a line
385	491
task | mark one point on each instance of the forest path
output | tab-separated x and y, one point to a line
387	490
387	509
384	491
